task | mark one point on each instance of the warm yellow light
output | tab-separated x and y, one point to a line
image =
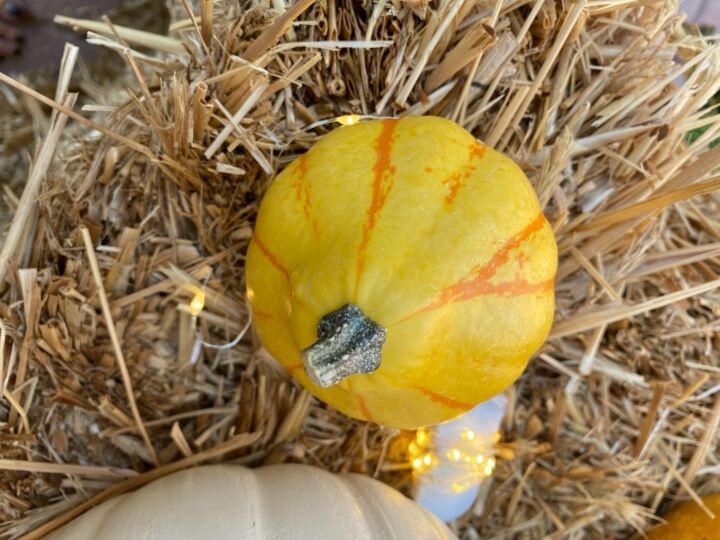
454	454
491	462
413	449
479	458
197	304
421	438
469	435
417	463
427	460
348	119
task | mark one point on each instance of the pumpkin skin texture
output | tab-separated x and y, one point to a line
690	522
437	238
288	502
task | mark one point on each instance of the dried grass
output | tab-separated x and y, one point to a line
613	422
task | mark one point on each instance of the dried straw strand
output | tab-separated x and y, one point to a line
107	313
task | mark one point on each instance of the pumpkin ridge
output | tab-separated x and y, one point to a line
439	398
374	513
478	282
382	184
430	226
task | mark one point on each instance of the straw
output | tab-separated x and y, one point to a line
150	194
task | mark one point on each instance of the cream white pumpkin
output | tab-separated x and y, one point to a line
279	502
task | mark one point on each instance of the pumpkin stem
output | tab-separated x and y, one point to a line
349	342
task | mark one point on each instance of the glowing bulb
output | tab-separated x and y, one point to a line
479	458
427	460
421	437
469	435
454	454
491	462
417	463
348	119
197	304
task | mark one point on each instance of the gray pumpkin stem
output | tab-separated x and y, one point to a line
349	342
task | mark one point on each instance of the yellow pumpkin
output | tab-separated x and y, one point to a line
690	522
402	271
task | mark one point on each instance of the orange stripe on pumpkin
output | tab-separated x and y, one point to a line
262	315
275	261
457	180
483	273
518	287
478	282
270	256
477	150
438	398
364	411
454	181
302	191
382	184
302	165
295	367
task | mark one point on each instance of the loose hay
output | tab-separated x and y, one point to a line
614	420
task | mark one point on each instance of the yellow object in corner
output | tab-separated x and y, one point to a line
402	271
690	522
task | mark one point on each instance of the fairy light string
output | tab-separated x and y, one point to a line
453	461
195	308
345	120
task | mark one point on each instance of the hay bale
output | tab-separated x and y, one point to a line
125	216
